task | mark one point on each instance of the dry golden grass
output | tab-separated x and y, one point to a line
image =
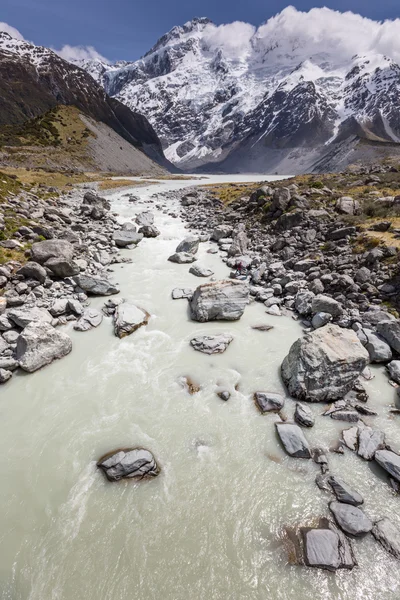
58	179
229	192
385	237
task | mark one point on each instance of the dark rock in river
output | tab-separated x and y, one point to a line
388	535
343	492
129	464
269	402
293	440
350	518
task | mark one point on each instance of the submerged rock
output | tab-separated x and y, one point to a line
269	402
212	344
129	464
220	300
293	440
351	520
128	318
39	344
324	364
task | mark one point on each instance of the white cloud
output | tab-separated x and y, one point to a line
302	34
11	31
79	53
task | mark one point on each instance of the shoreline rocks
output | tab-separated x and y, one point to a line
221	300
39	344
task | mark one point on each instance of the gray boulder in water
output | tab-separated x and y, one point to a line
126	237
190	245
200	271
129	464
128	318
182	258
39	344
293	440
343	492
389	461
149	231
323	365
211	344
351	520
145	219
388	535
220	300
95	285
303	415
269	402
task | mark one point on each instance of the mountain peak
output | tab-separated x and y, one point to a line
180	32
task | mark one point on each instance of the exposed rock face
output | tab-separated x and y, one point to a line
126	237
88	320
293	440
350	519
39	344
388	535
96	285
269	402
389	461
60	249
129	464
128	318
212	344
343	492
323	365
222	300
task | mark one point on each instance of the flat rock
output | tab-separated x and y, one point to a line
128	318
350	519
220	300
303	415
269	402
388	535
180	293
136	463
23	316
89	319
211	344
324	365
343	492
389	461
351	416
369	441
126	237
96	286
321	549
182	258
293	440
39	344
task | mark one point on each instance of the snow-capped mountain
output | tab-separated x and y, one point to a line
35	79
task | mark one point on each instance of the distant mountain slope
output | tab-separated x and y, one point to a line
300	81
35	79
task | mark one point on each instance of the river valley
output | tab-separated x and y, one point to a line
211	525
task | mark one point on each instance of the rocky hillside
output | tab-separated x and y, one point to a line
277	99
35	80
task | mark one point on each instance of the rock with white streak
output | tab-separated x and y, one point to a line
128	318
220	300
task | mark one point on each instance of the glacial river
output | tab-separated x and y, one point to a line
210	526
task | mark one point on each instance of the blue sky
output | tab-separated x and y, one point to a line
126	29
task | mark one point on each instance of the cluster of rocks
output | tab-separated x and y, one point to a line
70	242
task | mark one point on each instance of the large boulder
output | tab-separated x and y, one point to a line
240	242
378	350
324	365
33	270
326	304
189	245
327	547
39	344
95	285
23	316
347	206
390	331
293	440
61	267
145	219
211	344
41	252
129	464
128	318
149	231
220	300
220	232
94	206
126	237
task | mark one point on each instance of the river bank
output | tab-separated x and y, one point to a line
213	521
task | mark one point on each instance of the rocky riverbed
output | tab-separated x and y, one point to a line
255	492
